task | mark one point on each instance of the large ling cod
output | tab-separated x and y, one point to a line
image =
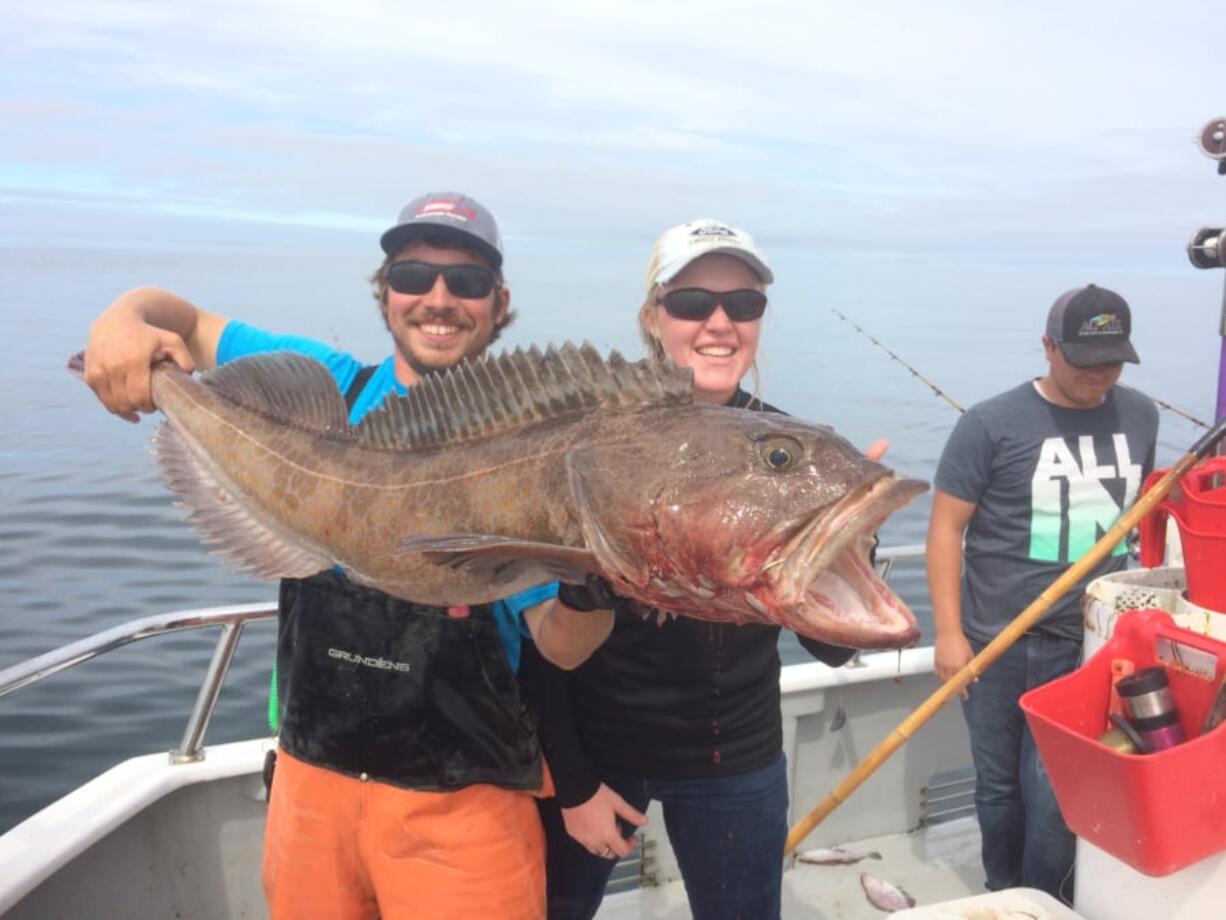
530	467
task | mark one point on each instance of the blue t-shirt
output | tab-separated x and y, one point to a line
239	340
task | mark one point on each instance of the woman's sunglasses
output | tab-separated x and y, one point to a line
697	304
471	282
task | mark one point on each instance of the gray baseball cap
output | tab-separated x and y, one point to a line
1091	325
452	211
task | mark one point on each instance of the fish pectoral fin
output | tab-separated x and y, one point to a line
502	559
224	521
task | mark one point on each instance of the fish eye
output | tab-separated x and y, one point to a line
780	453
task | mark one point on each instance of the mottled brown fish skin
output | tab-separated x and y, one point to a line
679	505
356	503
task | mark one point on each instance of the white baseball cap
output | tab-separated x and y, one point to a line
678	246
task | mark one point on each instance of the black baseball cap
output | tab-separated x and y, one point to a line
1091	325
455	214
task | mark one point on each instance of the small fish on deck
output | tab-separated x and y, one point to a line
884	895
834	856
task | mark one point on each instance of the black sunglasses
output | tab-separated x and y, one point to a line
471	282
697	304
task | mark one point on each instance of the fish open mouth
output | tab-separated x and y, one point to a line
830	588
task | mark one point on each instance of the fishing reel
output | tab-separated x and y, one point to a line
1208	246
1213	143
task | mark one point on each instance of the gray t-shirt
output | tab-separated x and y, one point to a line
1048	482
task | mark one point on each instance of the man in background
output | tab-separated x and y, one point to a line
1031	479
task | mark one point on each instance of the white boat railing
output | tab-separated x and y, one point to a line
888	555
230	620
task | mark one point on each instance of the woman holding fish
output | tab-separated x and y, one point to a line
676	709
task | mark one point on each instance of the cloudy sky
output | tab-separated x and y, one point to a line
922	125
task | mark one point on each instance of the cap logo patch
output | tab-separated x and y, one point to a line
1102	324
445	209
710	230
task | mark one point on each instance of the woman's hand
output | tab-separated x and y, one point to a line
594	823
877	449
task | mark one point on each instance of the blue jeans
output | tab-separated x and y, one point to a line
1025	839
727	832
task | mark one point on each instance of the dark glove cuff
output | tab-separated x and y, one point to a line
572	791
594	594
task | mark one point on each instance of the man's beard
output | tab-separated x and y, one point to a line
422	365
424	369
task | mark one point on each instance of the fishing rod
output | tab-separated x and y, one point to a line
949	399
914	373
1168	407
1010	634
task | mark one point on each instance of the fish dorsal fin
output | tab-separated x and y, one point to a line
283	385
490	396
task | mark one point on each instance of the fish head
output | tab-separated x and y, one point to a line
754	517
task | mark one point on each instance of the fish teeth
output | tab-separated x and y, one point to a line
700	590
670	590
756	604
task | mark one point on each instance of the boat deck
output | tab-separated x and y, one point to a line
937	864
153	835
180	835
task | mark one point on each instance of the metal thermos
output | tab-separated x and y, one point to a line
1151	709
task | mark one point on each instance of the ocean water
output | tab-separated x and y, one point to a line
89	538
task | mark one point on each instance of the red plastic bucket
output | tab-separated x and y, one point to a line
1203	495
1156	812
1198	506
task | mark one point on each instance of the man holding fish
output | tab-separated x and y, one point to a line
407	764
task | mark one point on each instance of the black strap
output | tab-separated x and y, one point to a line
594	594
359	384
270	768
